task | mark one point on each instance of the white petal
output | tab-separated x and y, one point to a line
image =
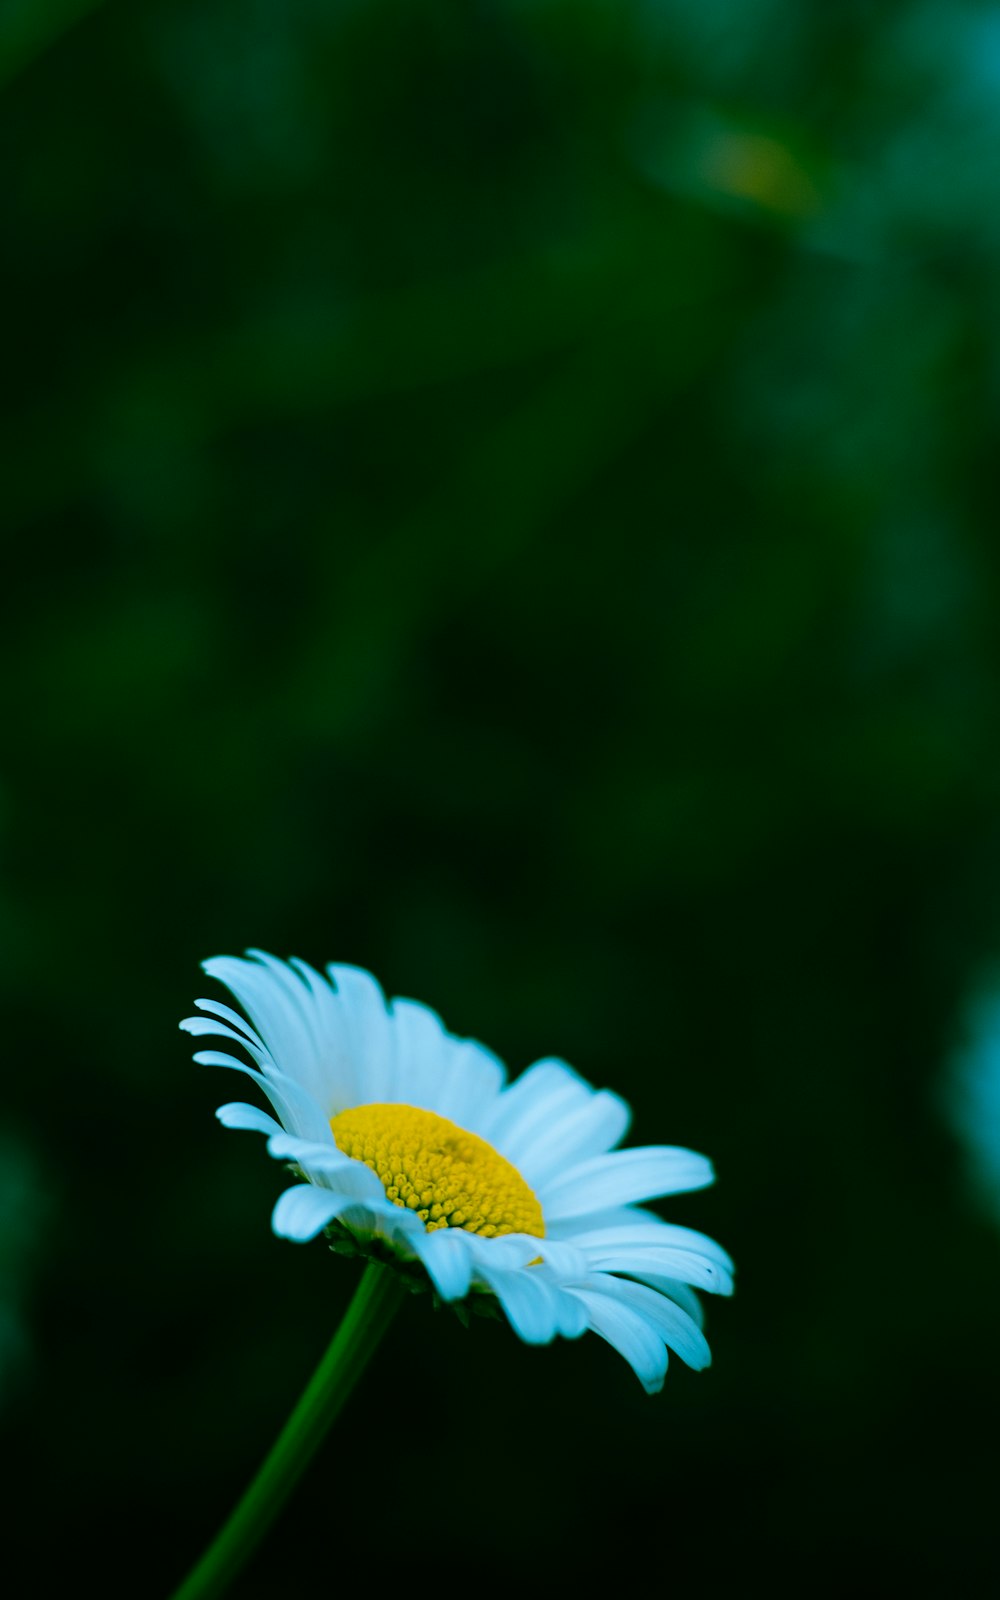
572	1320
364	1035
622	1176
508	1253
448	1261
418	1041
286	1146
607	1217
320	1018
304	1211
592	1127
514	1251
278	1004
340	1041
563	1260
468	1084
644	1231
372	1217
681	1295
237	1114
687	1266
334	1027
217	1009
530	1303
298	1112
210	1027
328	1166
672	1324
630	1334
543	1093
457	1078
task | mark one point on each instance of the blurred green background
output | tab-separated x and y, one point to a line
504	492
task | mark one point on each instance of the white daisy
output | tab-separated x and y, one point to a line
413	1146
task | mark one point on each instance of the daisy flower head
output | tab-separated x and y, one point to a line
411	1146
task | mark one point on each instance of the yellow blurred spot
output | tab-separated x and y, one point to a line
758	168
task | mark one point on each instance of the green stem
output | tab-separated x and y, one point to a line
365	1320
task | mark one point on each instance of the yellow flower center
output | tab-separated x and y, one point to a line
450	1178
